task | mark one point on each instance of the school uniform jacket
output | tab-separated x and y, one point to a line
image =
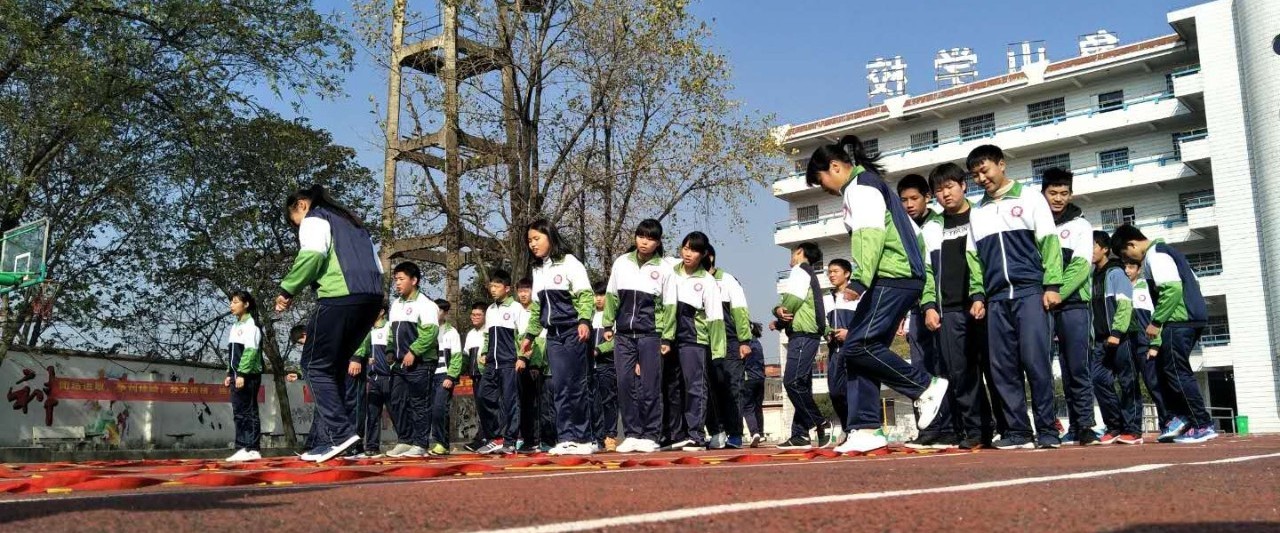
1142	307
503	323
1178	298
335	256
798	299
839	311
602	348
562	296
449	362
373	350
1075	235
415	328
633	298
693	311
1014	244
1113	304
934	234
737	318
473	346
885	243
243	356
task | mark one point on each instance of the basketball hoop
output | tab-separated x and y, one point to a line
43	297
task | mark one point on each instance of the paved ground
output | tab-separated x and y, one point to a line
1232	483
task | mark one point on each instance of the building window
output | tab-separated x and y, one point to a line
1195	200
925	140
1047	112
1217	332
1116	217
1205	263
1112	160
1039	165
801	165
1168	83
808	213
974	188
1110	101
871	147
977	127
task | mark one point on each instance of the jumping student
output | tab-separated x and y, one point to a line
726	373
448	370
562	305
633	301
1112	364
503	363
244	376
888	277
801	314
415	333
753	387
1071	317
604	378
336	256
857	401
1143	365
378	373
488	396
1175	328
1014	244
914	192
692	326
961	338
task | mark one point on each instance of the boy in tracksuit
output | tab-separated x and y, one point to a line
537	406
946	303
503	320
753	387
801	314
487	395
1071	318
724	422
448	370
377	370
1014	245
603	378
855	402
1112	363
1179	319
415	331
1143	366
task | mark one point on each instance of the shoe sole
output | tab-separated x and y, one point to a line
927	417
339	449
808	447
1027	446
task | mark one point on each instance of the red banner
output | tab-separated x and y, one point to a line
464	387
120	390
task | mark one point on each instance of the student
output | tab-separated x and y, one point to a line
244	376
692	325
1112	364
502	363
562	305
487	395
961	338
1175	328
531	379
726	373
1144	366
448	370
857	401
801	315
888	271
336	256
633	301
377	370
914	192
1014	246
1071	317
298	337
415	333
604	379
753	387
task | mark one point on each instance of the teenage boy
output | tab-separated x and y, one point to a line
603	378
1179	319
502	364
415	331
448	370
1146	367
487	395
725	419
1014	244
373	353
1112	364
753	387
801	314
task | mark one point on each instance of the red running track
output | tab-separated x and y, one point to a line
1227	484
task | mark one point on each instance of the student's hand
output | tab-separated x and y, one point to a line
1051	299
744	350
408	360
520	364
773	325
526	345
637	369
902	328
932	320
665	349
239	382
448	384
353	369
978	310
226	382
782	313
841	334
1152	331
282	303
1113	341
584	332
851	295
608	335
1153	352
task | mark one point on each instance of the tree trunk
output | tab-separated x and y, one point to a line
271	349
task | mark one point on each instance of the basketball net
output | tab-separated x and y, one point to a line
43	298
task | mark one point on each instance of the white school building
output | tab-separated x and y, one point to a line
1179	135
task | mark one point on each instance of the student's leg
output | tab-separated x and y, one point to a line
379	393
673	397
570	366
925	347
240	416
732	370
528	393
837	386
863	396
488	399
547	429
419	378
1006	368
1073	327
715	398
979	348
797	380
1104	386
647	387
607	394
591	398
440	401
400	418
1130	398
1149	371
326	376
753	405
693	367
1034	352
512	387
1187	400
866	349
963	373
625	359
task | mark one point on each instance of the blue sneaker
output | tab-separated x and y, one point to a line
1172	431
734	443
1197	435
1068	438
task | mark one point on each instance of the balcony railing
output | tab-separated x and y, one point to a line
784	224
1219	339
783	274
1186	71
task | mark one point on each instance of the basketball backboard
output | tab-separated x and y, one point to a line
22	255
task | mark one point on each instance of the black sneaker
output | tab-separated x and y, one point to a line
922	441
823	429
475	445
945	442
797	442
527	448
1013	443
972	443
1086	437
1049	442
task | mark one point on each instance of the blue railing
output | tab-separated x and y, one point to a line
785	224
1221	339
1207	270
1185	71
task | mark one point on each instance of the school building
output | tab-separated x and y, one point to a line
1178	134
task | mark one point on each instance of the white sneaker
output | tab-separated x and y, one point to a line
863	441
398	450
647	446
717	441
930	402
581	448
679	445
756	440
240	455
560	448
415	451
336	450
253	455
628	445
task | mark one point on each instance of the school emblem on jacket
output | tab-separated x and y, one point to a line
1142	297
697	287
1065	233
559	279
653	275
506	316
1016	211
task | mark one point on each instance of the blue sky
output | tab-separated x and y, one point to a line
803	60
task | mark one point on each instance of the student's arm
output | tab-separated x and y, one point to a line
428	333
1047	242
1119	285
365	348
454	355
928	298
977	292
795	291
714	308
866	221
611	301
584	300
738	311
251	359
534	324
314	242
1076	274
233	359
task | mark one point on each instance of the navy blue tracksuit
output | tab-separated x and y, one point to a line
926	356
1071	325
335	330
753	389
244	407
569	363
1023	328
378	394
875	324
962	344
640	397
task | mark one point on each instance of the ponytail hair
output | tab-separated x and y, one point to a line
319	197
698	242
849	151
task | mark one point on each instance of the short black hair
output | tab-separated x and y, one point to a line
1056	177
408	268
524	283
599	287
945	172
699	242
842	263
444	305
296	332
1123	235
756	329
812	254
986	152
479	306
711	254
914	181
651	229
1101	238
500	276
